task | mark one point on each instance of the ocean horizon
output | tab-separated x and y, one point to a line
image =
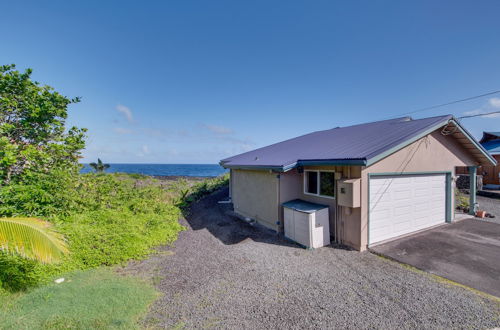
194	170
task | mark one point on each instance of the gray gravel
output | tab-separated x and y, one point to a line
224	273
490	205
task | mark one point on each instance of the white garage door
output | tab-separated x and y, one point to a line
403	204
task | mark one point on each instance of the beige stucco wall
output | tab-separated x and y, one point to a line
260	194
434	152
255	195
292	187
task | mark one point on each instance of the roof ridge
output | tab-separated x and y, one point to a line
361	141
399	119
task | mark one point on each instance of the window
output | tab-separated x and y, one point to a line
319	183
327	184
312	183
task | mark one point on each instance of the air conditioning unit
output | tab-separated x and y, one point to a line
307	223
349	192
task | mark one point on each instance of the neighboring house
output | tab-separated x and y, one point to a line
401	175
491	174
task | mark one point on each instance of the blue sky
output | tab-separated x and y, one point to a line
197	81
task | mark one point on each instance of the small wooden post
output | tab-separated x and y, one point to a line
472	189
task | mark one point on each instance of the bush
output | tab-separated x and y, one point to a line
39	195
461	200
107	219
107	237
17	273
200	189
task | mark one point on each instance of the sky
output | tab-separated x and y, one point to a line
198	81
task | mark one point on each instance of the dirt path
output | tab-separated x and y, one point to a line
224	273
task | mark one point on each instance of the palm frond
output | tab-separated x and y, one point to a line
31	238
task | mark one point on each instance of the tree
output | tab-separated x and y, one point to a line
31	238
99	167
33	138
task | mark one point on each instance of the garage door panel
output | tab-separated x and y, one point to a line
422	191
402	195
402	210
403	204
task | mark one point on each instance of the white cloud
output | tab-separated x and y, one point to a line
145	149
494	102
121	130
126	112
218	129
479	112
493	115
472	113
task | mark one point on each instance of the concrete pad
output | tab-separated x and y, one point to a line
467	252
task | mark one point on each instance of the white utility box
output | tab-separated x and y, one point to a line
349	192
307	223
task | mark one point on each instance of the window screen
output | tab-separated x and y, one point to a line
327	184
312	182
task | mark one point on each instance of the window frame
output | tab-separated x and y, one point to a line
305	176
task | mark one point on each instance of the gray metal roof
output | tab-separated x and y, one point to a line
356	145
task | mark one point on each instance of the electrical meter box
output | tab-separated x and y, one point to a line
349	192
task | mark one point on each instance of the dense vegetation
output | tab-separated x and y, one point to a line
107	219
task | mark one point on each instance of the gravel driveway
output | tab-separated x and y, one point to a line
224	273
490	205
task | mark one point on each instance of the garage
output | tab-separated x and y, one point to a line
404	168
402	204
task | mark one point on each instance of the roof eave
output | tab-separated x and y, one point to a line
285	168
332	162
473	141
392	150
253	167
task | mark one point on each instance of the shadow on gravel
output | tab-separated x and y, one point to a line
208	214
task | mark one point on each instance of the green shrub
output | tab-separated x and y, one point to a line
39	194
199	189
107	237
18	273
107	219
461	200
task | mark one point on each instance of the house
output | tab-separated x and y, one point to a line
399	174
491	174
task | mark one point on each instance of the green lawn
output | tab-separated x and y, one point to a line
97	299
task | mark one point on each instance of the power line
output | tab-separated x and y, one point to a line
452	102
445	104
479	115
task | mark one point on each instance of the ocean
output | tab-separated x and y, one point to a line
200	170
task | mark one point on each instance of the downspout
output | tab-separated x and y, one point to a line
278	222
230	184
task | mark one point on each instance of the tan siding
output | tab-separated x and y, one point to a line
255	195
434	152
292	187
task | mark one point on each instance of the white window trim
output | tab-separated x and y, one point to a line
317	174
